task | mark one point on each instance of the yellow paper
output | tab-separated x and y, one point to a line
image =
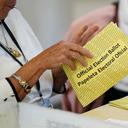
108	66
120	103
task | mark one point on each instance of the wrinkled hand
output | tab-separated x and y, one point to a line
79	35
64	53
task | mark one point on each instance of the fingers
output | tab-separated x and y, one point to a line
71	103
79	107
75	52
80	33
65	53
66	103
75	34
76	56
85	52
81	50
87	34
82	30
70	63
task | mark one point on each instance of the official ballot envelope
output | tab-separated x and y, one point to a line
108	66
30	116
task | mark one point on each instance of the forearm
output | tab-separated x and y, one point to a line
30	72
51	58
59	78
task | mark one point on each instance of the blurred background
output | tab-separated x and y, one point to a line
50	19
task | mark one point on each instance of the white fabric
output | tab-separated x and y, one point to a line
5	90
30	46
123	24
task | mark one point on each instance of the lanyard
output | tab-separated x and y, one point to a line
14	58
18	46
13	38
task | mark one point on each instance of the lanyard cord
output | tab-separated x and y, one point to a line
12	37
14	58
11	54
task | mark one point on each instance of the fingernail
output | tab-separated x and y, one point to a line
96	28
73	68
85	64
86	27
91	55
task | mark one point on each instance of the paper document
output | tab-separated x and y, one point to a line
105	69
120	103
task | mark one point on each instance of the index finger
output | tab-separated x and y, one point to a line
81	50
76	37
87	34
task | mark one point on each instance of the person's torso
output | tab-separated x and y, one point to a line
30	47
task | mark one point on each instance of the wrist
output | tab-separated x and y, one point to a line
42	61
18	90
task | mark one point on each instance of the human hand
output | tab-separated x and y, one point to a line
64	53
70	101
81	34
100	17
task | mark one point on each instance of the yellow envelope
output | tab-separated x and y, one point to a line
108	66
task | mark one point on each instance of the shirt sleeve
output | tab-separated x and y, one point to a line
6	91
